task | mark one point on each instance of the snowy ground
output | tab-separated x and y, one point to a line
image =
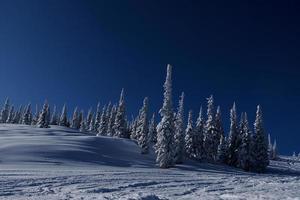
60	163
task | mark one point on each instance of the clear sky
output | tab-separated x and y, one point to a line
81	52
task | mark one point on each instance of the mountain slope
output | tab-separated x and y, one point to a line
60	163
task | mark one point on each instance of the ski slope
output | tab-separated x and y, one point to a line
61	163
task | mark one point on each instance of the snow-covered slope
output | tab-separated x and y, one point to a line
60	163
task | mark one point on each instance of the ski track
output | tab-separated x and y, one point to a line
135	182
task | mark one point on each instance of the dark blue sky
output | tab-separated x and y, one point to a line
80	52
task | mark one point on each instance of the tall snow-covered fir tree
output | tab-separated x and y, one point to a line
133	129
233	137
18	115
92	125
166	127
190	144
222	150
219	130
35	116
142	128
102	130
199	136
120	124
5	111
152	130
179	137
42	121
27	116
54	118
63	120
97	118
210	132
75	123
83	127
111	121
259	147
89	117
244	150
10	118
274	151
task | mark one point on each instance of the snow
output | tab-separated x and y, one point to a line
62	163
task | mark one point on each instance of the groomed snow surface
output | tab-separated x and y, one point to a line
61	163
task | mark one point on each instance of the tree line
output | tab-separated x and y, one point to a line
173	140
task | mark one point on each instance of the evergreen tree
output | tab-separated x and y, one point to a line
75	123
54	120
244	151
63	120
89	118
27	116
42	121
103	122
17	116
233	137
133	128
179	137
190	145
219	130
92	125
274	151
120	121
5	111
36	116
48	116
210	132
10	118
152	130
83	127
97	118
143	128
259	149
222	150
111	121
166	127
199	136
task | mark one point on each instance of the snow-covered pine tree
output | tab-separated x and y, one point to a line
48	116
166	127
92	125
199	136
233	137
97	118
102	130
89	118
63	120
152	130
219	130
27	116
75	119
274	151
83	127
179	137
5	111
222	150
108	111
111	121
42	121
210	132
36	116
259	148
270	148
120	119
143	128
10	118
134	124
190	145
54	118
17	116
244	151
